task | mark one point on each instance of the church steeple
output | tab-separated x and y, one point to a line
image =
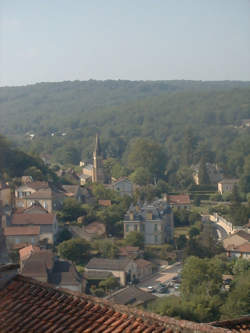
98	171
97	145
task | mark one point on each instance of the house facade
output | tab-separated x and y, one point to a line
154	221
227	185
123	185
29	193
16	237
241	251
30	227
144	268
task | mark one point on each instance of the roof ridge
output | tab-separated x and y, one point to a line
143	316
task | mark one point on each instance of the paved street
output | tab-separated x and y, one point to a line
165	275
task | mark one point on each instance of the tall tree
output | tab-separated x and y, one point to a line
148	154
203	174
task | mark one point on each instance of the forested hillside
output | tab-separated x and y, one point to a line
188	119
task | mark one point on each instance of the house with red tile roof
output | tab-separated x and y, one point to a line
27	305
180	201
240	251
104	203
16	236
29	193
18	227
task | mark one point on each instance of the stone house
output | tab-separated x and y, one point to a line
144	268
36	224
123	185
43	266
154	221
20	236
240	251
27	194
237	239
125	270
227	185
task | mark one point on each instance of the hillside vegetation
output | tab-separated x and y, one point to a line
188	119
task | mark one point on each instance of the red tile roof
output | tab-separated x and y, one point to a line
181	199
21	231
240	248
24	219
27	306
105	203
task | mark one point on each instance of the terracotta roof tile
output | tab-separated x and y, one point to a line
19	231
30	306
181	199
24	219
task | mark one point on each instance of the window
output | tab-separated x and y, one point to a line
127	228
156	239
135	227
155	227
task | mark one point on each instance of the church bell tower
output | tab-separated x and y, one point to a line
98	171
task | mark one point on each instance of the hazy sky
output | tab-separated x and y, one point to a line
57	40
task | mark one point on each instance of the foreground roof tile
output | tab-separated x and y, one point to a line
28	306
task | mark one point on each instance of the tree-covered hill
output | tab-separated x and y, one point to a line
189	119
39	107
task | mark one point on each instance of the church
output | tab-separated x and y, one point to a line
98	175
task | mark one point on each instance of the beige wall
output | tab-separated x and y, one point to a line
225	187
5	196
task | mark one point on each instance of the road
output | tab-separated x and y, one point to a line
165	275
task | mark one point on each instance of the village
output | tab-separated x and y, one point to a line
129	252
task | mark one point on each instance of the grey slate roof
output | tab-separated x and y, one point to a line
108	264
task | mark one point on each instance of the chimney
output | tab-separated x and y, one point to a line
7	273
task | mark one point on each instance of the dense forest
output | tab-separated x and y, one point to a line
190	120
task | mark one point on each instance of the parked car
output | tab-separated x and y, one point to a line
162	288
151	289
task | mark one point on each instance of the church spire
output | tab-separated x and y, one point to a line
97	145
98	170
